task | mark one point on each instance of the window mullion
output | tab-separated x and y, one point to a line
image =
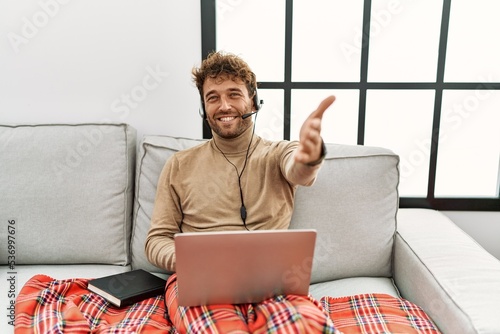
208	41
438	98
287	84
365	43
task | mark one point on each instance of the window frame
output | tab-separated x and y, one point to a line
208	44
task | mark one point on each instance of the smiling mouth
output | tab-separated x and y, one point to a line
227	118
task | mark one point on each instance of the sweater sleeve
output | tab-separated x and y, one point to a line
295	172
165	221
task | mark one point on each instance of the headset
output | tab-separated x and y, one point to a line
257	103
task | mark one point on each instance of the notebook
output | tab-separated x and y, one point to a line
127	288
236	267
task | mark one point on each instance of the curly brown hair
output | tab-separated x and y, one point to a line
221	64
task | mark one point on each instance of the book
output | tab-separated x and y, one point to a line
128	288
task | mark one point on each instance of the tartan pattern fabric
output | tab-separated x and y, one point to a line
377	313
45	305
280	314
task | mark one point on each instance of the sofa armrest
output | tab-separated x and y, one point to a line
443	270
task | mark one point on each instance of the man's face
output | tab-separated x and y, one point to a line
226	100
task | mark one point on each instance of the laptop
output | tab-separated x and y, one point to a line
234	267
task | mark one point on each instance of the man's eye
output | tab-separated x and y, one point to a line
211	98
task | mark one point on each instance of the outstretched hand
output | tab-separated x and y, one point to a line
309	149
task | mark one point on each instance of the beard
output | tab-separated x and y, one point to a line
231	130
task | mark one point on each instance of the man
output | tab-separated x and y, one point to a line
236	180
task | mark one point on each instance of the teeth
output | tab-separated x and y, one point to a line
227	119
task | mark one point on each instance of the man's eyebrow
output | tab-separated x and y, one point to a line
210	92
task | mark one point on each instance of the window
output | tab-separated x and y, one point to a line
419	77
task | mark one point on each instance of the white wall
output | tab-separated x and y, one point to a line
99	61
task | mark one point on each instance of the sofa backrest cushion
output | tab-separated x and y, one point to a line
154	151
68	192
353	206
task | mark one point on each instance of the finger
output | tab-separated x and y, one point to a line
318	113
301	156
312	136
309	145
314	124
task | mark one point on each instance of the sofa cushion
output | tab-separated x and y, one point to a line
68	271
154	151
68	192
354	286
353	206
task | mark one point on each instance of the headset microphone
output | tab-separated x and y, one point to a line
258	104
248	114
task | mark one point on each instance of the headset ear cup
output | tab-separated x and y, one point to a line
201	110
256	101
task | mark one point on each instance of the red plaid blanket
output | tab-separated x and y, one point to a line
377	313
45	305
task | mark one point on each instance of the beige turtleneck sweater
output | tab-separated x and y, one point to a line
198	190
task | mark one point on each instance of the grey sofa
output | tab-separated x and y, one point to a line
78	199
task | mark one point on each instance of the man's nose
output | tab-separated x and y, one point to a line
225	103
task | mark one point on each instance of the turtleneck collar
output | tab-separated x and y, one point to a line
234	145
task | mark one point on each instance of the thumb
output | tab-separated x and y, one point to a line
318	113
